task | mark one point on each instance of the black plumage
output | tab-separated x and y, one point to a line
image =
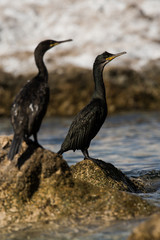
89	120
30	105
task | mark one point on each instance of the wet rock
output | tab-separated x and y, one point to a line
148	230
38	185
29	168
103	174
72	87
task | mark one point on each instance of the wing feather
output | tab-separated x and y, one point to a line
85	126
29	106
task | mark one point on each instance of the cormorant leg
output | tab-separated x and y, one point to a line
27	140
35	138
36	141
86	155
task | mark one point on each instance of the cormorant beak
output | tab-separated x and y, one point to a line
58	42
68	40
114	56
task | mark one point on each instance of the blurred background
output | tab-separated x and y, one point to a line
130	137
132	81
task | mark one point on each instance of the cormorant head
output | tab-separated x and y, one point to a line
47	44
106	57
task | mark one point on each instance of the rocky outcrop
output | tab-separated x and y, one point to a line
104	175
148	230
71	89
38	185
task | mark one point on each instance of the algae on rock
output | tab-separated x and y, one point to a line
38	185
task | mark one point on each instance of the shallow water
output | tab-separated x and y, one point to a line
129	141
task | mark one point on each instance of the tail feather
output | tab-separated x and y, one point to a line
60	152
15	146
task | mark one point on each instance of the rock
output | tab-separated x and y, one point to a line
22	177
29	167
102	174
38	185
148	230
72	87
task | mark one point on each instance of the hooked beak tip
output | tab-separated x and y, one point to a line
119	54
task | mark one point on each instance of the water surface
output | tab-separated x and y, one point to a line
129	141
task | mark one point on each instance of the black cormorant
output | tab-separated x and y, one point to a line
89	120
30	105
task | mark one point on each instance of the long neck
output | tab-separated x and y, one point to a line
98	80
40	64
